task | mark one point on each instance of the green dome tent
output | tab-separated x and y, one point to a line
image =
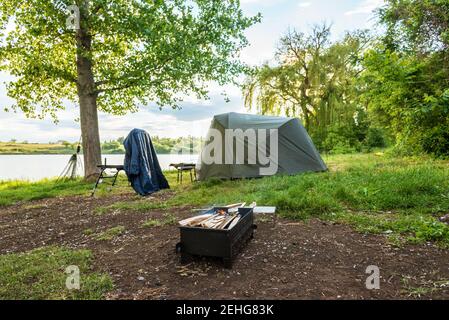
283	140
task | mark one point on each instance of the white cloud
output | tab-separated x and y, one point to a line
366	7
304	4
156	123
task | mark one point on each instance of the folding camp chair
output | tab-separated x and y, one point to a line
181	167
103	175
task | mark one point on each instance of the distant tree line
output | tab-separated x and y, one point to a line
182	145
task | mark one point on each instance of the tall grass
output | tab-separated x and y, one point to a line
15	191
372	192
420	187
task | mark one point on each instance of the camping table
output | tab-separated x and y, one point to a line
181	167
103	168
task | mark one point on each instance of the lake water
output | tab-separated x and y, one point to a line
36	167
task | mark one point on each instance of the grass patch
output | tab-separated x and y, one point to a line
138	206
416	228
40	274
18	191
168	219
424	288
372	192
110	233
362	186
88	232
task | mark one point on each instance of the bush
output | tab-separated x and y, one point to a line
375	138
112	147
343	148
338	144
436	142
344	139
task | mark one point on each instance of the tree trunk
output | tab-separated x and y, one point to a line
88	103
90	135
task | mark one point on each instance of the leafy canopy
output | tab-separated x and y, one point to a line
416	25
406	75
142	51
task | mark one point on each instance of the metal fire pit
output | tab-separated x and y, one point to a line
217	243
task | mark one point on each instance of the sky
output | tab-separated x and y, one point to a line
195	116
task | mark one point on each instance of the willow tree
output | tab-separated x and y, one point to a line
313	78
116	55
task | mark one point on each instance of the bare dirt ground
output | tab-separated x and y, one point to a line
285	260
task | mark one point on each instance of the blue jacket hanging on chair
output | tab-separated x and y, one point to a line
141	164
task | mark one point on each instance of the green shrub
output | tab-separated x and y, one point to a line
436	142
343	148
375	138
